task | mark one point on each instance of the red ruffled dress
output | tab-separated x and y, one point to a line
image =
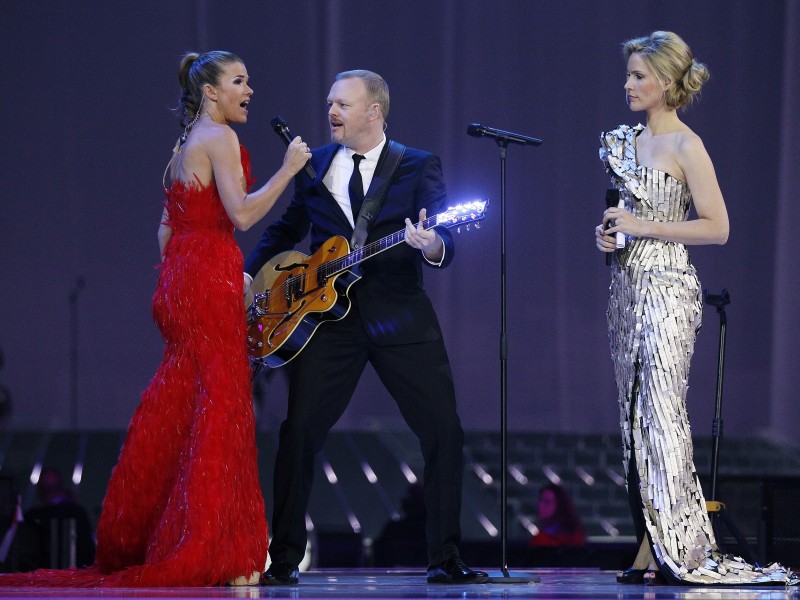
184	506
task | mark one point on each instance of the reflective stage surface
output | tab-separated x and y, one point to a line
381	583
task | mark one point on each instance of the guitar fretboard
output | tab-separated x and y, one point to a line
343	263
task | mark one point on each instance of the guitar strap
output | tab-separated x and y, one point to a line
387	165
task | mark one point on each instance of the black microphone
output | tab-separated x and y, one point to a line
282	129
612	199
478	130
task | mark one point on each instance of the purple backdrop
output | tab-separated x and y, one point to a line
87	132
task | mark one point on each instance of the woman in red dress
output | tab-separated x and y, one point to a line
184	505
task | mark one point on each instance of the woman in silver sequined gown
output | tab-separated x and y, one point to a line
654	313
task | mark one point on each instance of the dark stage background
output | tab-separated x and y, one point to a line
87	131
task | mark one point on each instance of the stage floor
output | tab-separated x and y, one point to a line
380	583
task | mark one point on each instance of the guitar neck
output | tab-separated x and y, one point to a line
356	256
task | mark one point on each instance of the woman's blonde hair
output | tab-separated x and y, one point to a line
671	60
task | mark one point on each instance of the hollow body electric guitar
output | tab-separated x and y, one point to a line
293	293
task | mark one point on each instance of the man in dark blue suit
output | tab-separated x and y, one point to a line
391	323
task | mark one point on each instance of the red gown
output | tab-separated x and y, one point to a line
184	505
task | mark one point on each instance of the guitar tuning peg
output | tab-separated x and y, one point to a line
478	225
458	229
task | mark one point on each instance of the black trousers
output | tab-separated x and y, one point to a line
322	381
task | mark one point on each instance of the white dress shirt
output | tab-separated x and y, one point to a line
337	179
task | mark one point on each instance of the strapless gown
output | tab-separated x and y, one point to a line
184	505
654	314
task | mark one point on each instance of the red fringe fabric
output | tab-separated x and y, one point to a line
184	506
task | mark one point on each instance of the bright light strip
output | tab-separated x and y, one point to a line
369	473
487	525
518	475
482	474
529	525
354	522
615	477
36	473
609	528
329	473
551	475
585	477
77	473
408	473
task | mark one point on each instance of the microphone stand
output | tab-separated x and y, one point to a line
716	429
502	142
717	510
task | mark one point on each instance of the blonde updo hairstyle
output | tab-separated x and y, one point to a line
670	59
194	72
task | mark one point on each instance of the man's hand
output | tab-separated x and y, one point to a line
426	240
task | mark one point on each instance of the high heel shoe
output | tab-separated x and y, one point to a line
654	578
631	575
241	580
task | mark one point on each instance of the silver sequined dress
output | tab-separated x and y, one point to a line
654	314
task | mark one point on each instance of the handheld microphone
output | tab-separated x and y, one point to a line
478	130
282	129
613	199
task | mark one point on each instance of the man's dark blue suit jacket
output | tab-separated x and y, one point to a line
390	296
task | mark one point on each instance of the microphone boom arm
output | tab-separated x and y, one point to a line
478	130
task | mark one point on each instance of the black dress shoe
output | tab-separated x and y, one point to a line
631	575
453	570
282	573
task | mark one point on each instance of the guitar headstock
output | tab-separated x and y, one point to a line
463	214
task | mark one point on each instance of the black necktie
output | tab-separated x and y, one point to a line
356	187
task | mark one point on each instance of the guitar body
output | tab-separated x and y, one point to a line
281	321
